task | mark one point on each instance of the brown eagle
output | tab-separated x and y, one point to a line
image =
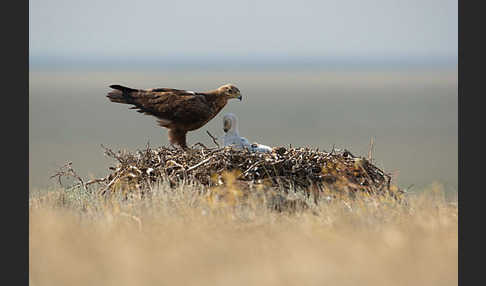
179	111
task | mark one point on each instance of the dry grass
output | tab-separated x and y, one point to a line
187	237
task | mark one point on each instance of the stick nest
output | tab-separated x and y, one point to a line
284	169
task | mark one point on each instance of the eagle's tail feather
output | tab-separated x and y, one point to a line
120	94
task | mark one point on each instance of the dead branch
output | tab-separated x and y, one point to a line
214	139
68	171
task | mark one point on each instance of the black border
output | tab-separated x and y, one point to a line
471	167
15	136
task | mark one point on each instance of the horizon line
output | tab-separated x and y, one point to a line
238	62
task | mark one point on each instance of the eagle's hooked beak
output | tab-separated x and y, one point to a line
234	94
237	94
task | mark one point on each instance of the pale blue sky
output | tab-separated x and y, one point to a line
366	29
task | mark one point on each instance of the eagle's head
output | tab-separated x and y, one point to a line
230	91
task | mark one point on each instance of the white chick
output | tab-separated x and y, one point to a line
232	136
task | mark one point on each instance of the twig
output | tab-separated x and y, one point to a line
198	164
110	183
95	181
68	173
370	152
214	139
251	167
200	144
332	151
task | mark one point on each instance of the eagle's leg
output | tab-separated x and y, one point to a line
178	137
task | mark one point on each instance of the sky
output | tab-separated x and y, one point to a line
245	30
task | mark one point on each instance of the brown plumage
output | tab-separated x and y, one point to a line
179	111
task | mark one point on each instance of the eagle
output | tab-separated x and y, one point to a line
178	110
232	136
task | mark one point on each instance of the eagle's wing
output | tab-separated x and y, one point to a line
173	90
170	106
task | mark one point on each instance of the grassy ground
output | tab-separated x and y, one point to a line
182	237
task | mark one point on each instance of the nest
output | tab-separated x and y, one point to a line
284	169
